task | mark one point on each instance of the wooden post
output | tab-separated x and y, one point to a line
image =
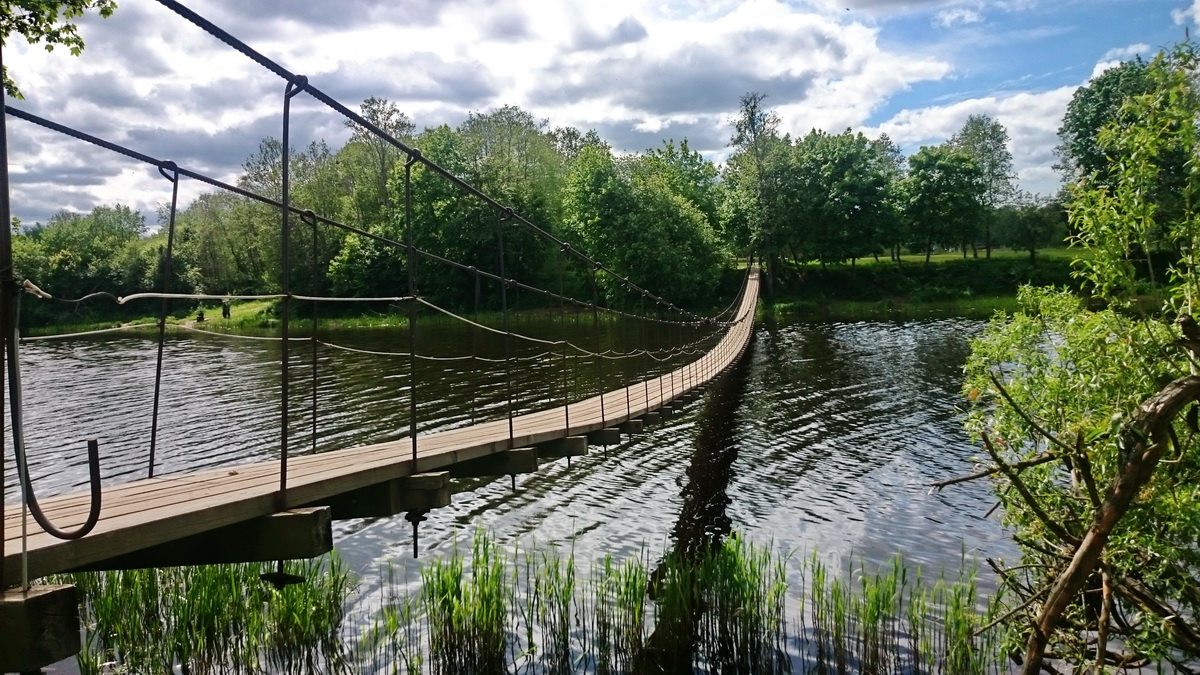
40	627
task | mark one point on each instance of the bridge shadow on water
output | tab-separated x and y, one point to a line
698	630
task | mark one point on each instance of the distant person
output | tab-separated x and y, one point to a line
225	308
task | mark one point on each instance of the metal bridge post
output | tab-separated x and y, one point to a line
409	226
7	289
293	87
501	220
171	172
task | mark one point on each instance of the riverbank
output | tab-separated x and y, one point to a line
949	286
946	287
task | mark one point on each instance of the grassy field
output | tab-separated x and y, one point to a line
948	286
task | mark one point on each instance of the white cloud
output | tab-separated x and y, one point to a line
1032	121
635	71
1188	14
1126	53
1117	55
957	15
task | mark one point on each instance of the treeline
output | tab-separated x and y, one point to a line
667	219
833	198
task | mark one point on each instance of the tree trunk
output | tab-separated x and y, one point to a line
1142	444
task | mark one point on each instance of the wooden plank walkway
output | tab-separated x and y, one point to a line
145	513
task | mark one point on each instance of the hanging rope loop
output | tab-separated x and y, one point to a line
295	85
169	170
35	509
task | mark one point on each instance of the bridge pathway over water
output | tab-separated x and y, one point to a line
282	509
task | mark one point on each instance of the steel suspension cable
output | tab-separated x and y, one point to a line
302	82
171	173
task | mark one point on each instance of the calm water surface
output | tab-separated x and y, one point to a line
826	438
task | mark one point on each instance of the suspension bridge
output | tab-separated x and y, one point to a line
283	508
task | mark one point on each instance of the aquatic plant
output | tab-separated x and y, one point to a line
213	618
727	607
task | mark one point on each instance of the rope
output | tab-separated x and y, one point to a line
300	82
133	154
272	296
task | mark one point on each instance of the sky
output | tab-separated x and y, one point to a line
638	72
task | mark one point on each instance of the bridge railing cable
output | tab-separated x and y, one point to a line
687	334
300	82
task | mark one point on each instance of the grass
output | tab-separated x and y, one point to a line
495	609
212	618
890	309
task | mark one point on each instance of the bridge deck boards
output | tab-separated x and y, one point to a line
147	512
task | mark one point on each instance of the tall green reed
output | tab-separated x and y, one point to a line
212	619
727	608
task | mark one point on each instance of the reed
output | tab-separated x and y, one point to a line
725	609
492	608
212	619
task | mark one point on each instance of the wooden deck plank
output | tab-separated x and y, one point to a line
148	512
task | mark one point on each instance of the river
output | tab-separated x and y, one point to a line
824	440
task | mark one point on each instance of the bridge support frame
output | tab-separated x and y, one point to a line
517	460
569	446
419	492
609	436
288	535
41	627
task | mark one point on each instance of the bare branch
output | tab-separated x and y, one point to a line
1028	420
1043	458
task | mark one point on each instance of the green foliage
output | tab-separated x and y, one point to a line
942	199
986	141
40	21
1029	224
1092	108
665	206
838	190
1060	381
212	618
640	222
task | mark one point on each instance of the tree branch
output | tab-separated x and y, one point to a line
1028	420
1030	500
1043	458
1141	444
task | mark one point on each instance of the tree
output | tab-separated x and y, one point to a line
942	198
756	138
40	21
839	186
1088	410
986	140
388	118
1093	107
1029	222
893	165
632	217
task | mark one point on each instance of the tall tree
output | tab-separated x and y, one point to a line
942	198
1088	411
893	165
756	138
378	154
40	21
1093	107
986	140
